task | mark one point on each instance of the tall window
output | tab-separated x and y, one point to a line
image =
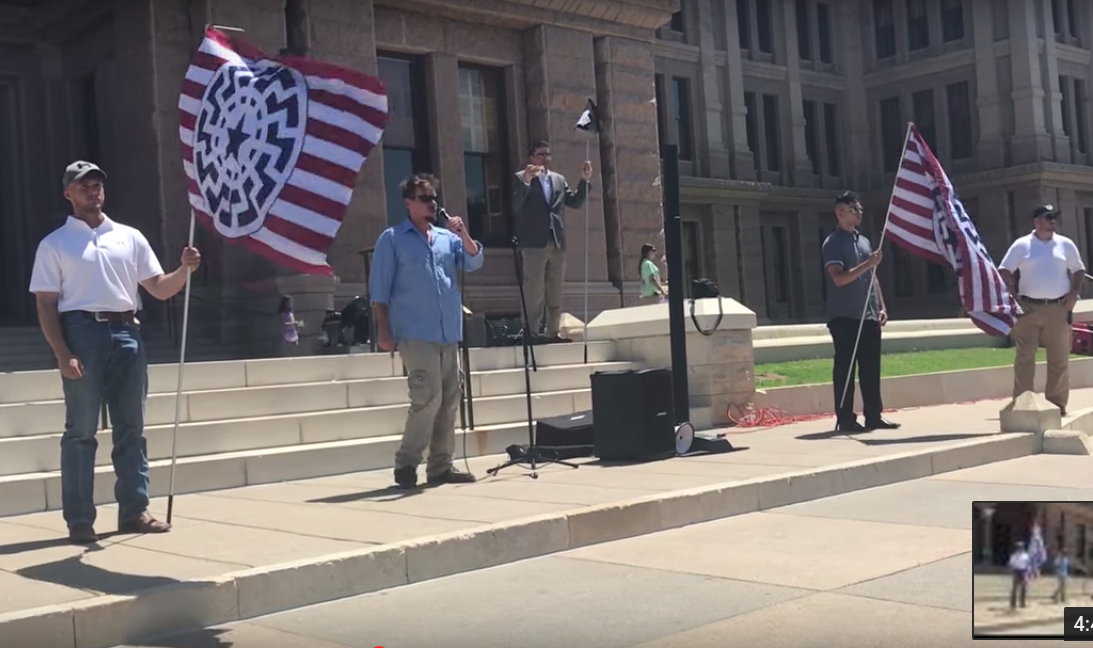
676	24
903	272
681	118
692	251
952	20
884	28
90	109
405	140
771	122
662	114
918	25
743	24
960	120
1080	123
765	26
812	135
804	31
752	126
823	26
922	106
831	138
891	133
481	107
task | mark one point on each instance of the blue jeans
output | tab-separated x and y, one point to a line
116	371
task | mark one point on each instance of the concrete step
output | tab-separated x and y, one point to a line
37	492
44	386
820	346
771	332
38	453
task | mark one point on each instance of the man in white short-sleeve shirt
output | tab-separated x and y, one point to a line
86	282
1050	277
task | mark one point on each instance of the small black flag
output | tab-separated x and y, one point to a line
590	119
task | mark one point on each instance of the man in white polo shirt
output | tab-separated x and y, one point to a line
86	281
1050	276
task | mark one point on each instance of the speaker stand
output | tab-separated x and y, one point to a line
532	456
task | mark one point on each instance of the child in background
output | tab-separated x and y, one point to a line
291	331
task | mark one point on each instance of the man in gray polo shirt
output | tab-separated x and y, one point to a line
848	263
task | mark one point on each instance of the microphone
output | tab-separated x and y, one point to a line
442	217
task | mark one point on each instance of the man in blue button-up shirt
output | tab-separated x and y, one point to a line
419	312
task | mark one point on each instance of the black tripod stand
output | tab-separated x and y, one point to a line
466	401
532	455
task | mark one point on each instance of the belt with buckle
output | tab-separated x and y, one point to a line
127	317
1042	302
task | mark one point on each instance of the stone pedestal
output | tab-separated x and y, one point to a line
720	366
1030	412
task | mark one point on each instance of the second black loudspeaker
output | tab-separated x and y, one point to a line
634	416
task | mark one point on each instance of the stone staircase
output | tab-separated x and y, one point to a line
249	422
24	348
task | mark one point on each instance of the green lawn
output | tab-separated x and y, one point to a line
811	372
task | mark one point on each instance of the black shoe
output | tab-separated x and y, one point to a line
406	477
881	424
849	426
452	476
82	534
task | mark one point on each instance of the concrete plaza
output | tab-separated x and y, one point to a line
888	566
241	553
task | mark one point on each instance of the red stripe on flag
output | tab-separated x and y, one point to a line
312	201
207	62
348	105
193	89
326	169
338	136
297	234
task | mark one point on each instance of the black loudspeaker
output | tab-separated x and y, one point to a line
566	437
634	416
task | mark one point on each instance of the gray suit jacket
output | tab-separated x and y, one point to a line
534	216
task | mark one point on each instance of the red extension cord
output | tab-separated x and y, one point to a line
750	416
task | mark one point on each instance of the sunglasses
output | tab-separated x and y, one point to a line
426	199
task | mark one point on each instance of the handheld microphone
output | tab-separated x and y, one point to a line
442	217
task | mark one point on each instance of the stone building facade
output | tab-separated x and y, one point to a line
998	526
775	105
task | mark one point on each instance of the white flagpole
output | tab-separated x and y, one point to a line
181	371
873	273
584	336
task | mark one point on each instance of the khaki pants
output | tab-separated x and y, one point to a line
1047	323
434	379
544	278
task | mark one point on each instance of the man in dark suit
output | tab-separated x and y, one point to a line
539	204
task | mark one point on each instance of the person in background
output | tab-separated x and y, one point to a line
650	274
291	325
1051	276
1062	575
539	203
1019	567
419	312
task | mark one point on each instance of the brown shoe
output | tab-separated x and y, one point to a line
451	476
144	524
83	534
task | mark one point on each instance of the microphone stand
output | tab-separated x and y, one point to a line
466	388
532	455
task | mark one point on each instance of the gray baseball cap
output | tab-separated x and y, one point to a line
79	169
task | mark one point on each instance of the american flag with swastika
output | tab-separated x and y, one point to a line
272	146
928	220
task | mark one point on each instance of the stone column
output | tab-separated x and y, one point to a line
857	156
342	32
445	123
751	258
561	77
990	151
1031	141
629	151
1050	62
741	158
800	167
726	257
714	155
